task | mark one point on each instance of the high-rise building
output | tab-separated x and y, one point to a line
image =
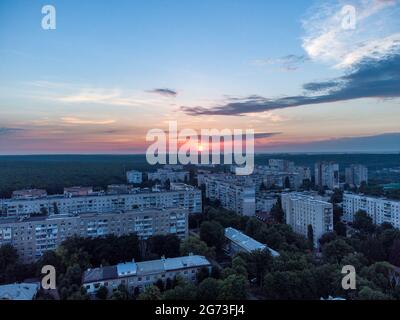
35	235
356	174
238	196
379	209
327	175
304	209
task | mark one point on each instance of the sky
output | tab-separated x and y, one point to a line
307	76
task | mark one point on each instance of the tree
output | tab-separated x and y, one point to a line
150	293
208	289
287	183
277	212
196	246
394	253
121	293
239	265
212	233
102	293
310	236
333	252
164	245
363	222
366	293
182	291
233	288
8	263
259	261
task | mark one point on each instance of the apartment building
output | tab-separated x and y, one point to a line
265	202
303	209
29	194
327	175
356	174
379	209
240	242
142	274
233	194
134	176
34	235
188	198
164	175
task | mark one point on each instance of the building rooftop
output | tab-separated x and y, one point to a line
246	242
143	268
21	291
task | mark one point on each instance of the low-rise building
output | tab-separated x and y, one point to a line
34	235
240	242
142	274
29	194
164	175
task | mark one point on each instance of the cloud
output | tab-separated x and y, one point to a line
387	142
165	92
370	78
290	62
73	120
6	131
373	34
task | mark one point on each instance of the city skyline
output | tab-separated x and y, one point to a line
109	73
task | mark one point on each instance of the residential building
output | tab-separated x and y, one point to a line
240	242
78	191
164	175
379	209
281	165
189	198
303	209
265	202
134	177
142	274
356	174
29	194
32	236
327	175
238	196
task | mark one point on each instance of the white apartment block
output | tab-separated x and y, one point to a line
188	198
379	209
281	165
33	236
304	209
134	176
142	274
233	195
356	174
163	175
327	175
265	202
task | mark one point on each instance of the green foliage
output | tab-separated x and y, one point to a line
164	245
102	293
212	233
233	288
208	289
196	246
150	293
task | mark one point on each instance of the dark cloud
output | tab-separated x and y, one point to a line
370	78
290	62
165	92
4	131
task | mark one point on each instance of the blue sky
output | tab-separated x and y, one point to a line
95	78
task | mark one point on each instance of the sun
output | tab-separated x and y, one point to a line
200	147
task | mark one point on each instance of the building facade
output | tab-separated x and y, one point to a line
379	209
327	175
189	198
142	274
304	209
134	176
356	174
35	235
233	195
